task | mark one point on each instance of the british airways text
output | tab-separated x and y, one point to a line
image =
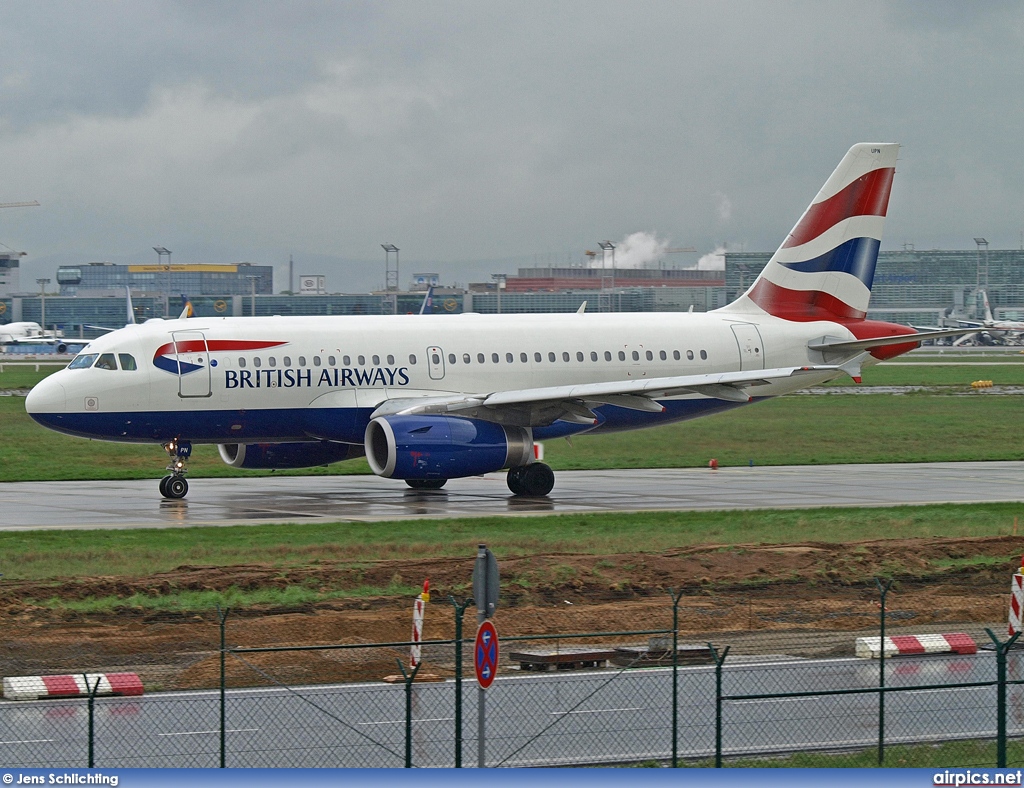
304	378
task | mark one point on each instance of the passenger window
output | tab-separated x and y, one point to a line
689	355
302	361
650	356
272	361
412	358
523	357
434	359
465	358
287	361
480	358
636	355
361	360
316	361
579	356
256	362
551	356
391	360
593	355
127	361
663	355
241	363
331	361
565	356
495	358
703	355
106	361
376	360
451	358
346	360
509	358
607	355
82	361
537	357
675	354
622	355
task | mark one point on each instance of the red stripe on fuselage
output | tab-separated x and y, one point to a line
213	345
866	196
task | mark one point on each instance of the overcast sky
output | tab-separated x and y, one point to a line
481	136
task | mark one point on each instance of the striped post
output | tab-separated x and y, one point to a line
417	624
1016	601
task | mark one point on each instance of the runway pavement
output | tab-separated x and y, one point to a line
292	499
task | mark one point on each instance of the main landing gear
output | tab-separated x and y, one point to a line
533	481
174	485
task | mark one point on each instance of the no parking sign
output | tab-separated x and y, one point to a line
485	654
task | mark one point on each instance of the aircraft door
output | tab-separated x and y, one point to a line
748	339
435	363
193	357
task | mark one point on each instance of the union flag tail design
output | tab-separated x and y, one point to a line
824	268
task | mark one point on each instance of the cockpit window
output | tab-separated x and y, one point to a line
127	361
83	361
106	361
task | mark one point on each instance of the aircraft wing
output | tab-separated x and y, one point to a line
541	406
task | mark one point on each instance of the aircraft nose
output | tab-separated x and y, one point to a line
47	396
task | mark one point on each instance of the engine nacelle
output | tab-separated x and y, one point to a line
286	455
443	447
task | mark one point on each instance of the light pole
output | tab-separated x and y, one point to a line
391	277
160	253
607	246
42	302
252	280
499	285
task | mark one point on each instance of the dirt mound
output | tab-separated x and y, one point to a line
734	592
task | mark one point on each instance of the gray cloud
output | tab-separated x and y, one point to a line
477	135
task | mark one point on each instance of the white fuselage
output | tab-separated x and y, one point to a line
238	379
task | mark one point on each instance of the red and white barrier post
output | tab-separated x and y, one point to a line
417	624
1017	601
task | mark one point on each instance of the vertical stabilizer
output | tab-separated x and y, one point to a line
825	267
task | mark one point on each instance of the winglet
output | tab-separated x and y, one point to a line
582	309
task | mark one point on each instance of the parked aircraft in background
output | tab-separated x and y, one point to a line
29	333
427	398
1010	327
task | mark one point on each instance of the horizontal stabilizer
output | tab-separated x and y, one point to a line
835	343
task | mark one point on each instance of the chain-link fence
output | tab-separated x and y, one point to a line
720	685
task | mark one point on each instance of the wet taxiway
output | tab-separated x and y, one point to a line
292	499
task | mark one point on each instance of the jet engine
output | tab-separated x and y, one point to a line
443	447
286	455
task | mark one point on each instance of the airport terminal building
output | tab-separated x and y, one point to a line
910	286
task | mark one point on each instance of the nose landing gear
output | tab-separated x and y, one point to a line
174	485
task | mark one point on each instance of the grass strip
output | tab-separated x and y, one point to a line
44	555
792	430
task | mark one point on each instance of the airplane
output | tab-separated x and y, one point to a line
30	333
990	323
427	398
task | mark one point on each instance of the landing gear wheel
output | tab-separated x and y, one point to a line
176	487
426	484
533	481
515	480
163	486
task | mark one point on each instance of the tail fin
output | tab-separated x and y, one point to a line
130	316
186	308
988	309
427	308
825	267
